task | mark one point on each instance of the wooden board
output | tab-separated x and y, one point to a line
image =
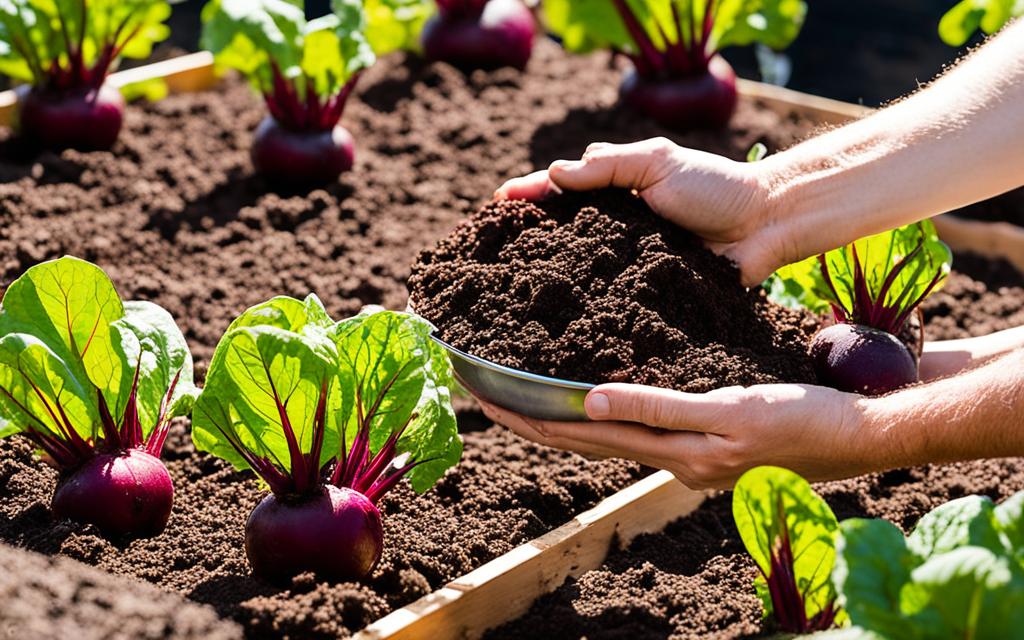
504	588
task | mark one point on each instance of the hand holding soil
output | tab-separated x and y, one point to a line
887	170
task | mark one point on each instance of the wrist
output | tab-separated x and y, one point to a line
891	433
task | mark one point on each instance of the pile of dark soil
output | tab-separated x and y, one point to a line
694	580
60	598
595	287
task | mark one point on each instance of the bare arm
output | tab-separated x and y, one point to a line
957	141
949	357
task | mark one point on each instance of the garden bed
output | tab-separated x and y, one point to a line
175	216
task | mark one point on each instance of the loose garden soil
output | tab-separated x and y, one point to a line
594	287
175	216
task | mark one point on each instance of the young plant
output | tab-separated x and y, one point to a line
678	78
480	34
967	16
959	574
64	50
93	382
305	71
873	286
789	532
331	416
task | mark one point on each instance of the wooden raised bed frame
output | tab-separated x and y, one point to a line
505	587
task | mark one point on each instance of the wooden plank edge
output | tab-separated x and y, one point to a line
183	74
825	110
506	587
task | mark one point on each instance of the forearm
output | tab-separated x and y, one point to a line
956	142
979	414
948	357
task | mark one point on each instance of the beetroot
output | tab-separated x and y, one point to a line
65	52
336	533
480	34
83	119
679	79
319	411
862	360
703	101
101	421
303	157
128	492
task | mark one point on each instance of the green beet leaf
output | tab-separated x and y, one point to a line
957	575
303	401
395	25
78	365
967	16
677	37
789	532
876	281
73	44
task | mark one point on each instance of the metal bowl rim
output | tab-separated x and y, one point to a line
515	373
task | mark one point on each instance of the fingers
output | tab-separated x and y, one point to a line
532	187
633	166
604	439
661	408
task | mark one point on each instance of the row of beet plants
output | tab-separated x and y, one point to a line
306	70
329	415
958	574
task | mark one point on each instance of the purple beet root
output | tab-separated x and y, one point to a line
499	36
87	120
124	494
302	158
336	534
862	360
705	101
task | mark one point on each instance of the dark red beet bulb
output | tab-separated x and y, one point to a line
83	119
863	360
480	34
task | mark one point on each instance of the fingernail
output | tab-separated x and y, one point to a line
565	164
597	405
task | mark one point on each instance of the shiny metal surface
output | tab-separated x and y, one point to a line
529	394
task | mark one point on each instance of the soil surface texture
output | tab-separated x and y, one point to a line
504	492
175	215
45	598
595	287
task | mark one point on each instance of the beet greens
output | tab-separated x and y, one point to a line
789	531
331	416
679	80
64	50
93	382
305	70
872	286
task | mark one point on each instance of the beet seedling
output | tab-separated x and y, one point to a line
305	71
872	287
64	50
678	78
331	416
789	531
93	382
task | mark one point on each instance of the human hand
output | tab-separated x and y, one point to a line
727	203
708	440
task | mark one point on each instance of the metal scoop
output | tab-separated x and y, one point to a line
529	394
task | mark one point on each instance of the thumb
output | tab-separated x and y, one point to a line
654	407
610	165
